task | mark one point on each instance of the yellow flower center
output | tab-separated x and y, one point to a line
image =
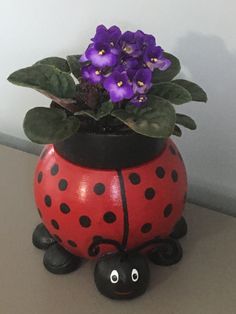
141	99
140	83
97	72
127	49
154	60
102	52
119	84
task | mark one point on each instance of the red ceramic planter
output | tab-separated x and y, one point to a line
129	205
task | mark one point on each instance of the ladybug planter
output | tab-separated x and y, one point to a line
110	184
95	204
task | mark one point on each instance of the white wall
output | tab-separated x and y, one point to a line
200	32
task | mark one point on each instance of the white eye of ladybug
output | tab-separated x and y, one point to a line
135	275
114	276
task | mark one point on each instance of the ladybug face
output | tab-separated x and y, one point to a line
122	275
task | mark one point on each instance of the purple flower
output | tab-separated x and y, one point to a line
154	58
130	45
118	86
110	35
83	58
100	55
130	63
139	100
146	40
92	74
142	81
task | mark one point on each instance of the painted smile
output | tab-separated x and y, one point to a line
123	293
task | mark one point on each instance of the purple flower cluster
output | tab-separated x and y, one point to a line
123	63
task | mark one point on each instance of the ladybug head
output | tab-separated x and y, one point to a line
122	275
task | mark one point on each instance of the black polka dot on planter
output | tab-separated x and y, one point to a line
160	172
149	193
99	188
57	238
54	170
48	201
40	176
134	178
172	150
55	224
168	210
62	185
85	221
64	208
146	228
174	176
109	217
72	243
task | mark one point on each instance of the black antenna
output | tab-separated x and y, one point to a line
93	250
97	241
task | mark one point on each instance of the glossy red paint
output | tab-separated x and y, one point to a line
131	206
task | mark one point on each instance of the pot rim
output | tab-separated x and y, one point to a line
109	150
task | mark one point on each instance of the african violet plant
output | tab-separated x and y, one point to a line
122	81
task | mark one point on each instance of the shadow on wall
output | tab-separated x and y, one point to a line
212	161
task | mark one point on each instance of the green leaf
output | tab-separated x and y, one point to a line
75	65
102	112
177	131
45	79
174	93
170	73
45	125
185	121
155	119
197	93
59	63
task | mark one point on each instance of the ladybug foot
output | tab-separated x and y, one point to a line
180	229
168	252
42	238
59	261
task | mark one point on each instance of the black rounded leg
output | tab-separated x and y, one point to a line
180	229
168	252
42	238
59	261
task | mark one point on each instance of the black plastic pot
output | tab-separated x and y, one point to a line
109	151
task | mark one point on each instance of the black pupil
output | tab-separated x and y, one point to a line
114	277
135	276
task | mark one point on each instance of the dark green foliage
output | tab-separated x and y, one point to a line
59	63
102	112
91	106
75	65
155	119
185	121
47	125
170	73
176	94
177	131
197	93
46	79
